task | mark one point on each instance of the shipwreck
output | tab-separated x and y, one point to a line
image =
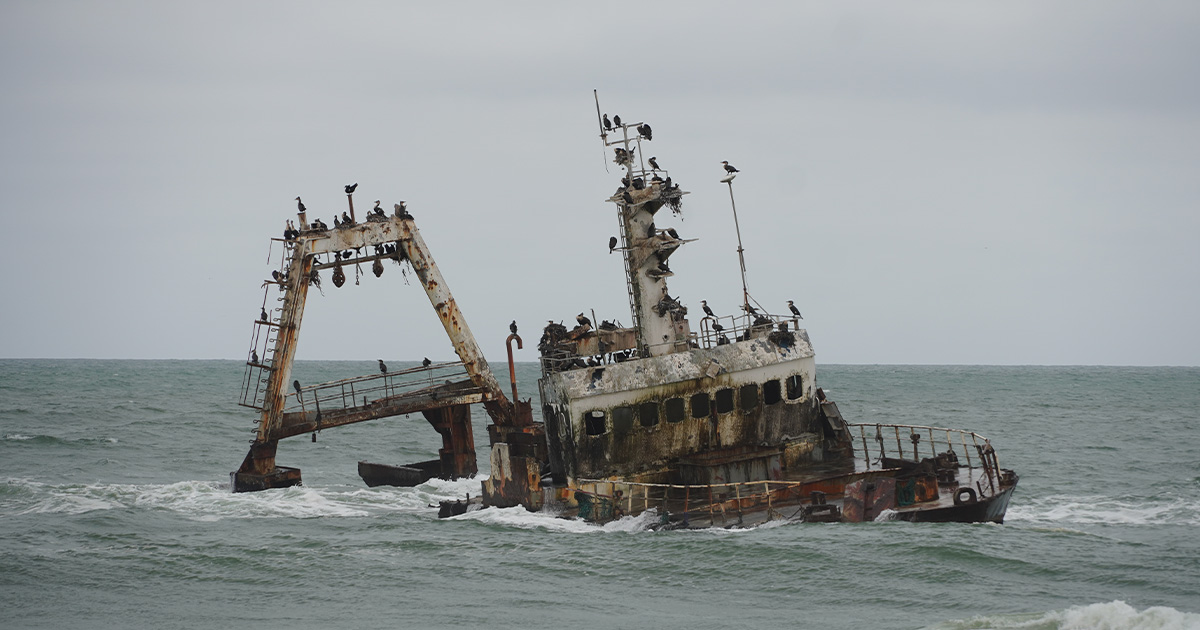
717	424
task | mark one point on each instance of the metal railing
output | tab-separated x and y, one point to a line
742	327
360	391
954	440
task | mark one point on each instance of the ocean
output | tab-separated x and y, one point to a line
115	512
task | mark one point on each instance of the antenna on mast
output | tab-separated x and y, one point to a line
603	133
728	179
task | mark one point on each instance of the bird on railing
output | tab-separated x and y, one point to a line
426	362
253	356
795	311
654	163
382	367
612	244
262	317
707	311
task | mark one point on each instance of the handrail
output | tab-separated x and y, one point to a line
914	452
344	393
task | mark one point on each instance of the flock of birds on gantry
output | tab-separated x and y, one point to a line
376	214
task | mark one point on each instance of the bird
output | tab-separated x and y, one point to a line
262	317
612	244
513	326
627	197
607	124
729	168
651	231
673	234
350	188
795	311
426	362
278	277
382	367
377	209
616	120
583	321
717	327
645	130
336	223
638	183
707	310
749	309
253	356
654	164
299	205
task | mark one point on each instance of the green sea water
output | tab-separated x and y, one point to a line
115	512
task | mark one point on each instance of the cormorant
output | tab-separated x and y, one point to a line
296	384
382	367
717	327
612	244
300	205
627	197
673	234
723	340
707	310
795	311
645	130
278	276
749	309
607	124
729	167
651	231
350	188
253	356
583	321
377	209
667	184
426	362
262	317
638	183
336	223
625	182
616	120
654	164
513	326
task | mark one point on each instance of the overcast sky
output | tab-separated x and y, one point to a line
939	182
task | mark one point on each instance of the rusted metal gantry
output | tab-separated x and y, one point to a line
445	405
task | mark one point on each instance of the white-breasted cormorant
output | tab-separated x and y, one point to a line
382	367
646	132
426	362
654	164
795	311
729	167
300	205
583	321
707	310
673	234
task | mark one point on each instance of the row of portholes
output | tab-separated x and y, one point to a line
674	410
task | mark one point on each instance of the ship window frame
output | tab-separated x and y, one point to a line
724	401
748	397
795	386
643	416
772	392
593	420
675	415
618	421
700	410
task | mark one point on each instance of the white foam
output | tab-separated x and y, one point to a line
1115	615
524	519
1103	509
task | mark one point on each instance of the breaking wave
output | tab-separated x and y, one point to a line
521	518
1106	510
1115	615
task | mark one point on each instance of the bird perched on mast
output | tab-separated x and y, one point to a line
729	168
513	326
646	132
795	311
350	188
616	120
707	310
654	164
612	244
300	205
607	124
